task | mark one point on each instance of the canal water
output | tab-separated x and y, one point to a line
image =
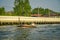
41	32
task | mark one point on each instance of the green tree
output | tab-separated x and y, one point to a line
22	7
2	11
38	10
48	12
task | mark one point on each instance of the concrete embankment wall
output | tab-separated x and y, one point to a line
28	19
8	19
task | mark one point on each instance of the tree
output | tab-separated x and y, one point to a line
48	12
22	7
35	10
2	11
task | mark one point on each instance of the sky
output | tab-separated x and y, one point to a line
51	4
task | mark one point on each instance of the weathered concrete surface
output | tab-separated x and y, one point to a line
28	19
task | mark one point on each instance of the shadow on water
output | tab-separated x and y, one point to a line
41	32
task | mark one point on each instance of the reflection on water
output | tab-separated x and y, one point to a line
41	32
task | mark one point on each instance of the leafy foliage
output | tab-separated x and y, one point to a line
2	11
22	8
43	11
38	10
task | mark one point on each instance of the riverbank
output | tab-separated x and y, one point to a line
21	19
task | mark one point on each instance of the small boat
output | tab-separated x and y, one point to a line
27	26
